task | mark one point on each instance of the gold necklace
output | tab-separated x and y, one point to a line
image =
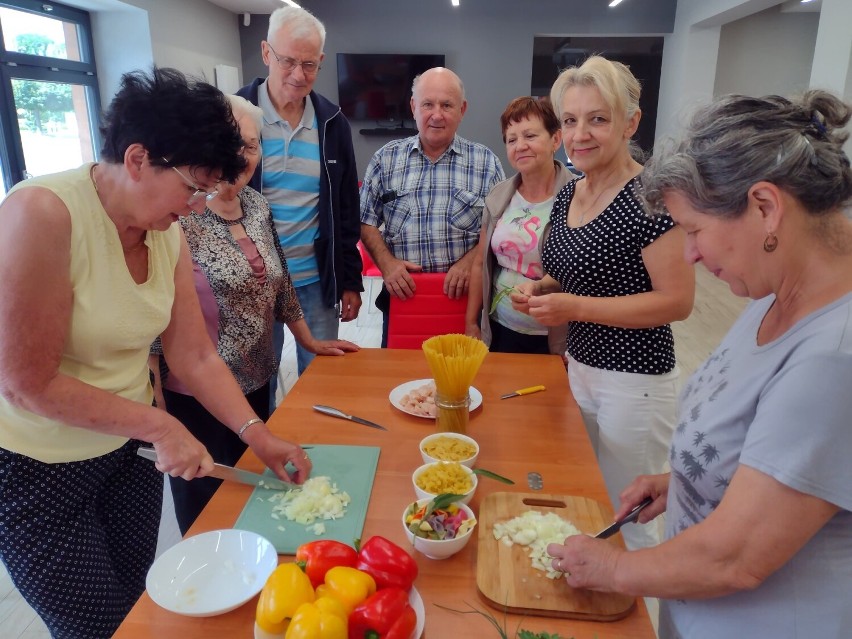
592	205
92	176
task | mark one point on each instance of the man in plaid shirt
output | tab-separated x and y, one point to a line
422	196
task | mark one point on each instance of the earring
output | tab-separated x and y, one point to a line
770	243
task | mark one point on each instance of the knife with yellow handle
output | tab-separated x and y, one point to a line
524	391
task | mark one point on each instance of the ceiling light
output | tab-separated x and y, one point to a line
615	3
455	3
806	1
291	3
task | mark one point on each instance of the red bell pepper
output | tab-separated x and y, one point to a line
318	557
389	565
384	615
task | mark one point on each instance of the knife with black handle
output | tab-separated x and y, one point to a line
630	517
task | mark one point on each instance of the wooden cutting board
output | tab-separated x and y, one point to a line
506	579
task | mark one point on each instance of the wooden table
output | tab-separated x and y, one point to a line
541	432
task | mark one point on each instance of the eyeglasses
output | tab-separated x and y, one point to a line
199	192
309	67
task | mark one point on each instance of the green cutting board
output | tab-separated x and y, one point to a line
352	468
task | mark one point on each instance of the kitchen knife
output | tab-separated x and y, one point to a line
523	391
609	531
220	471
328	410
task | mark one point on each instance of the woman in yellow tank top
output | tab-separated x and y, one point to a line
93	269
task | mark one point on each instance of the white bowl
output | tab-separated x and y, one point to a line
422	494
428	459
438	548
211	573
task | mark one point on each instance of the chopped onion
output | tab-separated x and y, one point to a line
316	499
536	530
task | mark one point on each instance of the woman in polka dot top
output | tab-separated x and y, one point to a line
619	278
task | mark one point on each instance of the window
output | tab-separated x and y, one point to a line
49	112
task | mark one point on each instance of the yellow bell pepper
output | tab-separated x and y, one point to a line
287	588
348	585
326	618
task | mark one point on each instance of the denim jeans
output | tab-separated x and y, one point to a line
323	322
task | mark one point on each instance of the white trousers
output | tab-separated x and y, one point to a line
629	418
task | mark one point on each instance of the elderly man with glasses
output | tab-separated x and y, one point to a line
308	174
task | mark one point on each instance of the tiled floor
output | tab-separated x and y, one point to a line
715	309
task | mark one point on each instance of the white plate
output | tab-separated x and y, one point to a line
397	393
211	573
414	599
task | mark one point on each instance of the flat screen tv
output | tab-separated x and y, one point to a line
377	86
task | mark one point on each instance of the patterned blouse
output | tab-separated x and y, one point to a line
247	305
603	258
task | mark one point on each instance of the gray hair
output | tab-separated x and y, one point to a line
242	107
301	22
451	73
737	141
617	85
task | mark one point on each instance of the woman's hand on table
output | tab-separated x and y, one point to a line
332	347
275	453
654	486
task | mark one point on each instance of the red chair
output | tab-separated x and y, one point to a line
425	315
369	267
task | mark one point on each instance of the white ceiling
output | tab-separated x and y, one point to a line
268	6
248	6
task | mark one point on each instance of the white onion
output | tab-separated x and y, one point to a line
536	530
316	499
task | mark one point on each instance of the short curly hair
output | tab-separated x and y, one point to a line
186	121
529	107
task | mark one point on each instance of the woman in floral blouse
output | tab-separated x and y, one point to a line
243	286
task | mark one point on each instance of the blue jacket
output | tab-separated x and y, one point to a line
336	248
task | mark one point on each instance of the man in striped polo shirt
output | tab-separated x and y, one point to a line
308	174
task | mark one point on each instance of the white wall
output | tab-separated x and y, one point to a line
190	35
693	61
766	53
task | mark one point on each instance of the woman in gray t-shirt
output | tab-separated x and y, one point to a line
759	528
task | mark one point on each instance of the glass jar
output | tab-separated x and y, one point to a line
452	413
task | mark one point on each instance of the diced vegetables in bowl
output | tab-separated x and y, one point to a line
440	527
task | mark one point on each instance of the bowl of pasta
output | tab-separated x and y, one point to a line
449	447
436	478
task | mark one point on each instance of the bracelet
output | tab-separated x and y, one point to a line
244	427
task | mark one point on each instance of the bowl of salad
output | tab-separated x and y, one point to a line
439	527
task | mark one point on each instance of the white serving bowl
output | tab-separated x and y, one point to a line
422	494
211	573
438	548
427	459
